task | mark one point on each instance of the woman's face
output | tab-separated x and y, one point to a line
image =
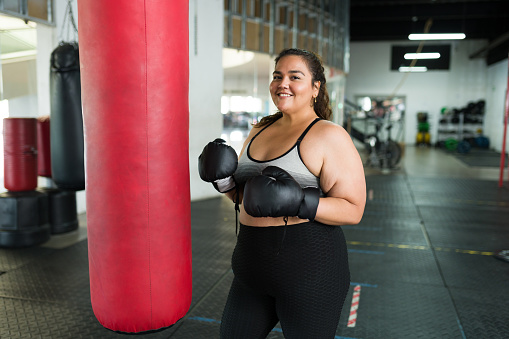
291	87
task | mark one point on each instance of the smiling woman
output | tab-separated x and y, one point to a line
298	179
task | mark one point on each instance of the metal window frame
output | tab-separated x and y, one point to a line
23	12
330	14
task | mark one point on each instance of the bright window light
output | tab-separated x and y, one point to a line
241	104
236	104
253	105
225	104
412	56
236	135
366	104
441	36
413	69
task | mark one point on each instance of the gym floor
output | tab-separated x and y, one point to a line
421	263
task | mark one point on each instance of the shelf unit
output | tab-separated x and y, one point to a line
458	130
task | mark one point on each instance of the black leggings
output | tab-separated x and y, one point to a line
303	287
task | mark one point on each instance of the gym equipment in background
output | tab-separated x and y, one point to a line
66	122
423	136
459	128
43	147
383	151
20	154
62	211
23	211
135	73
23	219
62	206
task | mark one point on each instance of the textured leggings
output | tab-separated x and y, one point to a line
303	287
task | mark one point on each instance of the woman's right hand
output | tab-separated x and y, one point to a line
217	163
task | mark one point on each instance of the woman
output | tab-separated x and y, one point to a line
290	262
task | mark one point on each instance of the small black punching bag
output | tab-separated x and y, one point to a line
66	122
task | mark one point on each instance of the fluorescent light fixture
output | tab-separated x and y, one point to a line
413	69
411	56
441	36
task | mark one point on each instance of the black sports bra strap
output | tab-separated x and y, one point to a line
263	129
307	129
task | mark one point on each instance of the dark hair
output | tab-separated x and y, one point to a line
322	106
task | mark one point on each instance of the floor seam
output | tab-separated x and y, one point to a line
433	252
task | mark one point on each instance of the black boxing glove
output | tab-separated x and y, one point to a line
217	163
275	193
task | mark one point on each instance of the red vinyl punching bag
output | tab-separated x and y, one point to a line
43	147
20	154
134	59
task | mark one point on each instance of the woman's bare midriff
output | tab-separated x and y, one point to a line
246	219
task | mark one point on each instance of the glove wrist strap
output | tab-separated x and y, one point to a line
309	204
224	185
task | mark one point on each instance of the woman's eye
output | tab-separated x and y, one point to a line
295	77
276	77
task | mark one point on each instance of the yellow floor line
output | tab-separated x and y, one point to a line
417	247
459	201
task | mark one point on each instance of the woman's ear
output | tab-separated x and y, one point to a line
316	87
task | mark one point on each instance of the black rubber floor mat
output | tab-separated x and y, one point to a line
481	158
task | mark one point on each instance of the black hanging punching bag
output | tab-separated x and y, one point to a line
66	122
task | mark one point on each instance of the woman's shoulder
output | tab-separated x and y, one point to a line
324	142
325	137
329	131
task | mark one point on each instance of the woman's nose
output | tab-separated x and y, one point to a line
284	83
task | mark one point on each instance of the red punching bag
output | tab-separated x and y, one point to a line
20	154
43	147
134	75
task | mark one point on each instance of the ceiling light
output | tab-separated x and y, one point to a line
442	36
413	69
412	56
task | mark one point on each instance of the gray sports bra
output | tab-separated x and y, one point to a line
290	161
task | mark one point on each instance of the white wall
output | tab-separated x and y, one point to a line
205	85
495	104
21	88
45	45
23	107
466	81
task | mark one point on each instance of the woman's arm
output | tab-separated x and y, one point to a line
341	177
232	195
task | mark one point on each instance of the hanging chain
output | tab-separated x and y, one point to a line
69	24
